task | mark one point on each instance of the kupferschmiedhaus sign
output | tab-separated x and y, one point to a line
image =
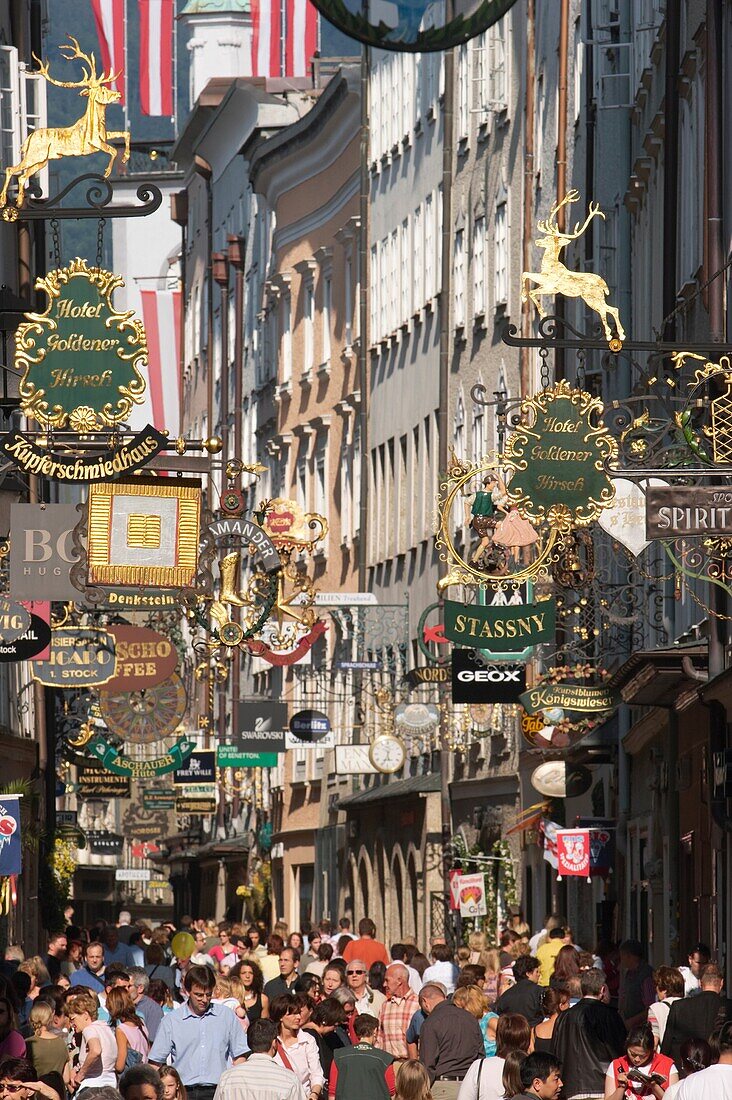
81	358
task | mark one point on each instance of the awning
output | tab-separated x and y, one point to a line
402	788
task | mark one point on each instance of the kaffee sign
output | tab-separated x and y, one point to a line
144	658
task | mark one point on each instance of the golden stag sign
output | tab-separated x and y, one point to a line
87	135
555	278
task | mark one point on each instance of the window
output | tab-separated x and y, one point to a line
579	58
539	116
383	289
459	427
418	253
373	292
478	440
407	92
33	112
501	249
301	477
479	267
327	297
356	480
9	108
497	55
459	279
286	337
394	273
375	108
396	91
429	247
348	298
406	261
463	93
481	77
321	498
308	322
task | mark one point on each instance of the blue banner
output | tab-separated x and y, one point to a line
11	859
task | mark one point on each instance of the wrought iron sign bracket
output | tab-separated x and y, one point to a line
98	202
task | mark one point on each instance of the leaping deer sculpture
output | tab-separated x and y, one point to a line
87	135
555	278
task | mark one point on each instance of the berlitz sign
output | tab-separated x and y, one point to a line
688	510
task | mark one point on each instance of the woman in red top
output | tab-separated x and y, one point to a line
641	1072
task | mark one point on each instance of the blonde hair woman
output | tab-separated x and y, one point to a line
473	1000
477	945
490	958
46	1049
412	1082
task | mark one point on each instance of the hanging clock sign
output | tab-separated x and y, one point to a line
147	715
81	358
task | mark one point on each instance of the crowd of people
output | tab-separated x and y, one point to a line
232	1012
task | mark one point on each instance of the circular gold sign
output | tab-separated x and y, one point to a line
147	715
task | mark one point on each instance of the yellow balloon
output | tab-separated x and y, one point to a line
183	945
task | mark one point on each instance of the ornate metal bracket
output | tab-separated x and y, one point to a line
97	196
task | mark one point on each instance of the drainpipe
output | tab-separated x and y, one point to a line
448	151
562	153
237	253
364	336
220	275
671	165
529	170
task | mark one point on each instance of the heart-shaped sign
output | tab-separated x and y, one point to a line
625	520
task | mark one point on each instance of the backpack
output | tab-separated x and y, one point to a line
133	1057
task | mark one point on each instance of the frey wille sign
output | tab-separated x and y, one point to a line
503	628
81	358
688	510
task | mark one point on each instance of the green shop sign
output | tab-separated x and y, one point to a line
568	697
227	756
81	358
503	628
114	761
558	453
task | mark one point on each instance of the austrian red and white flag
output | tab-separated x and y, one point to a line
109	17
156	56
299	34
573	853
161	315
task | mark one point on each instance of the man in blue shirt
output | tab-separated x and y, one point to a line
200	1038
91	974
114	951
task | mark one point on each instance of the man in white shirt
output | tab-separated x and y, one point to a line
367	1000
443	969
714	1083
260	1078
699	957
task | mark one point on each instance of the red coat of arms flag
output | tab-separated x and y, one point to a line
573	853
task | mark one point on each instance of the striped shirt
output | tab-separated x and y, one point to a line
260	1078
394	1019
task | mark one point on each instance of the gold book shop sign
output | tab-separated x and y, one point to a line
81	358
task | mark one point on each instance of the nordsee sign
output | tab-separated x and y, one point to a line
503	628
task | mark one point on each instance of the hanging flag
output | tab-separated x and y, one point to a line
161	315
156	56
573	853
301	37
109	17
266	38
549	830
10	845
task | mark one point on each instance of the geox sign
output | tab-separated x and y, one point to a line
473	681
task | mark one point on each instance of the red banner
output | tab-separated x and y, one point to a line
259	649
573	853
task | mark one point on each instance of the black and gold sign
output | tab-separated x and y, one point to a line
567	696
80	657
14	619
81	358
105	466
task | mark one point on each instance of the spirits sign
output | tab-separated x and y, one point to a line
81	358
689	510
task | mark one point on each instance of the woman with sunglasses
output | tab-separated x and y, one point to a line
296	1050
19	1081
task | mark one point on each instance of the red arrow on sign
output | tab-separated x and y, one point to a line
435	634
